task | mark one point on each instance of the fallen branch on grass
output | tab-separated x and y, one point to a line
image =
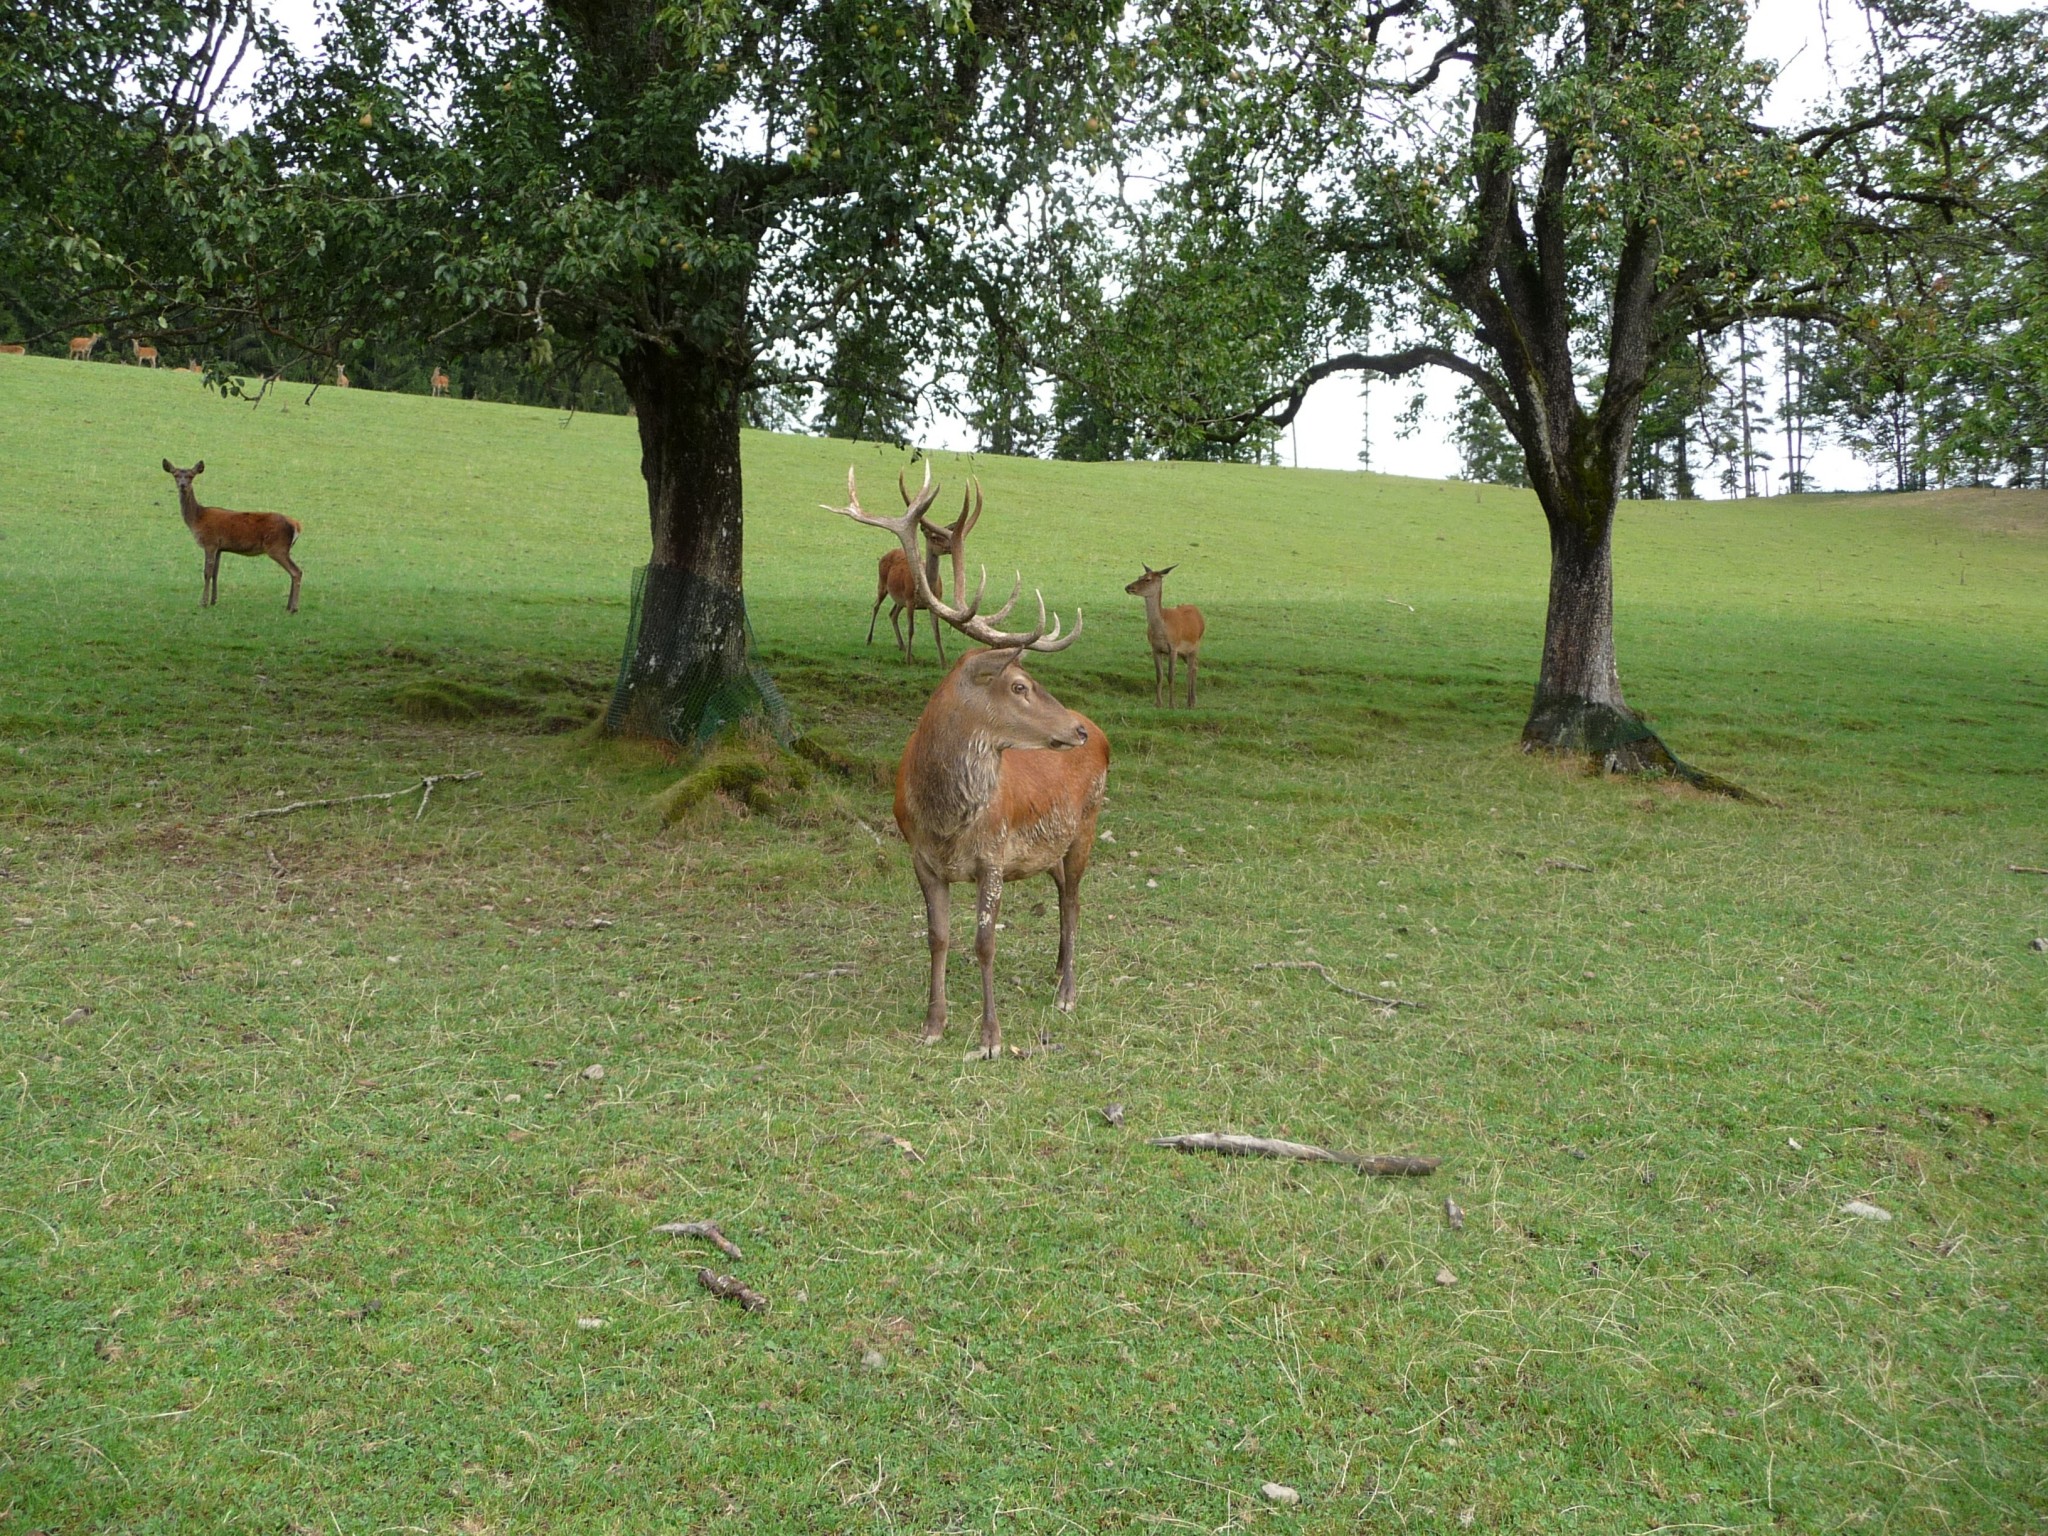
1391	1166
2026	869
729	1289
1323	971
708	1230
425	785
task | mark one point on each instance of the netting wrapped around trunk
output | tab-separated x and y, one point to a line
688	670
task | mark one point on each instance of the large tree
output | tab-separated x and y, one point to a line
1550	199
709	199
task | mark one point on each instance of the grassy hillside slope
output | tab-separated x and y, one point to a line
316	1222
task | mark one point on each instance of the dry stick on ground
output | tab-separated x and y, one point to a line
1392	1166
732	1290
1323	971
425	785
708	1230
2026	869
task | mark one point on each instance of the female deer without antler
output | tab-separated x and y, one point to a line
236	533
1000	781
894	582
1173	632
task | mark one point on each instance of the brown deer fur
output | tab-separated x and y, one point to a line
1000	781
896	586
439	383
13	349
236	533
1173	632
81	348
144	356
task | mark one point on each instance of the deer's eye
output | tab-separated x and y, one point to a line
1018	688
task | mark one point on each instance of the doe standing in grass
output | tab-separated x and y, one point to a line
1172	631
998	782
236	533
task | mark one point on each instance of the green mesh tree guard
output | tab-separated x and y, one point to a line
688	670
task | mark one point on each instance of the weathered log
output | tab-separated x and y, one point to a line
1392	1165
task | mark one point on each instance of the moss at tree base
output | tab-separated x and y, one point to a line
1614	740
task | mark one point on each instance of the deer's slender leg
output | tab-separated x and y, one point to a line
988	903
896	623
938	915
938	639
875	613
1068	880
283	557
1169	678
209	593
1158	694
1191	680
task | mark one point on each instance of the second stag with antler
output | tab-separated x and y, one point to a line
894	583
1000	781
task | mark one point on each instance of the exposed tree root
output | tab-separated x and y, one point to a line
1615	740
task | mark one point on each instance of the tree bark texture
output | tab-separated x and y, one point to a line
685	674
1579	706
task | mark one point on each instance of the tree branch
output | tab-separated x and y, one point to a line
1390	365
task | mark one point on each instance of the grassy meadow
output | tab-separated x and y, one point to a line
319	1220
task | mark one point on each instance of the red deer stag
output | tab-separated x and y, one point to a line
237	533
439	383
81	348
894	582
145	357
998	782
1172	631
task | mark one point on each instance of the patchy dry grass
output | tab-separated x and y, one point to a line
301	1225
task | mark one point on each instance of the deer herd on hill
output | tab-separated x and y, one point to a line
81	350
999	780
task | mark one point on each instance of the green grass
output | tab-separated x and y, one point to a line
296	1227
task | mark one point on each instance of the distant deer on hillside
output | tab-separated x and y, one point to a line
894	582
1173	632
340	377
235	533
81	348
1000	781
12	349
145	357
439	383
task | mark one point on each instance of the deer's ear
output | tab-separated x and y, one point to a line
167	467
199	468
986	666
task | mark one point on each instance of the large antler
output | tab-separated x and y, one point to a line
950	538
968	620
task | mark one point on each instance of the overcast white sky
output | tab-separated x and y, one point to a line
1815	43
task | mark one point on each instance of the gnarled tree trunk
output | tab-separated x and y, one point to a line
686	672
1579	706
